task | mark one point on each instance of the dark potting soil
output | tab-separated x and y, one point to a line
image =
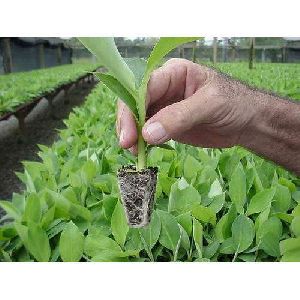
137	193
41	128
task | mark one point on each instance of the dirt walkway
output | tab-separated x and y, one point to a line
41	129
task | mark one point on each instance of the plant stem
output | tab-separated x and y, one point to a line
141	160
141	99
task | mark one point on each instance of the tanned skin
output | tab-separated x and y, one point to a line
199	106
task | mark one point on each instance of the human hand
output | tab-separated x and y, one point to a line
191	104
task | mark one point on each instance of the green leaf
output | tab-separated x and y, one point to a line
170	232
151	232
290	250
186	221
211	249
115	86
215	189
237	188
204	214
182	197
295	226
223	227
268	236
242	233
227	247
138	68
96	242
113	256
33	210
10	210
163	47
71	243
38	243
119	225
198	236
162	146
260	201
191	167
184	241
104	48
282	199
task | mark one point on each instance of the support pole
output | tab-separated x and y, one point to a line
7	57
59	55
252	53
194	52
41	56
215	50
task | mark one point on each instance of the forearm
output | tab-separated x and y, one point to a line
274	131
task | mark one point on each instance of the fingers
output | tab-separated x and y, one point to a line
172	121
126	127
167	82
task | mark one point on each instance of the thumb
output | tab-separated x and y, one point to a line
171	121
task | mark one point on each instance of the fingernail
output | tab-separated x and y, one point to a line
155	131
121	137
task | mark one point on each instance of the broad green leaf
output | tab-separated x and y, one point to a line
38	243
237	188
242	233
182	197
211	249
96	242
223	227
289	184
115	86
184	241
191	167
170	232
260	201
33	209
218	202
282	199
215	189
186	221
204	214
290	250
113	256
119	225
71	243
295	226
10	210
163	47
198	236
138	68
268	236
162	146
104	48
151	232
228	246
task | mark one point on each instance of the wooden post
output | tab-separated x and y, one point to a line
263	55
215	50
283	58
252	53
41	56
7	58
181	52
59	55
194	52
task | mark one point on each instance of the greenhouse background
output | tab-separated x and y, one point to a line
24	54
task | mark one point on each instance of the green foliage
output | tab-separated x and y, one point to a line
19	88
71	211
